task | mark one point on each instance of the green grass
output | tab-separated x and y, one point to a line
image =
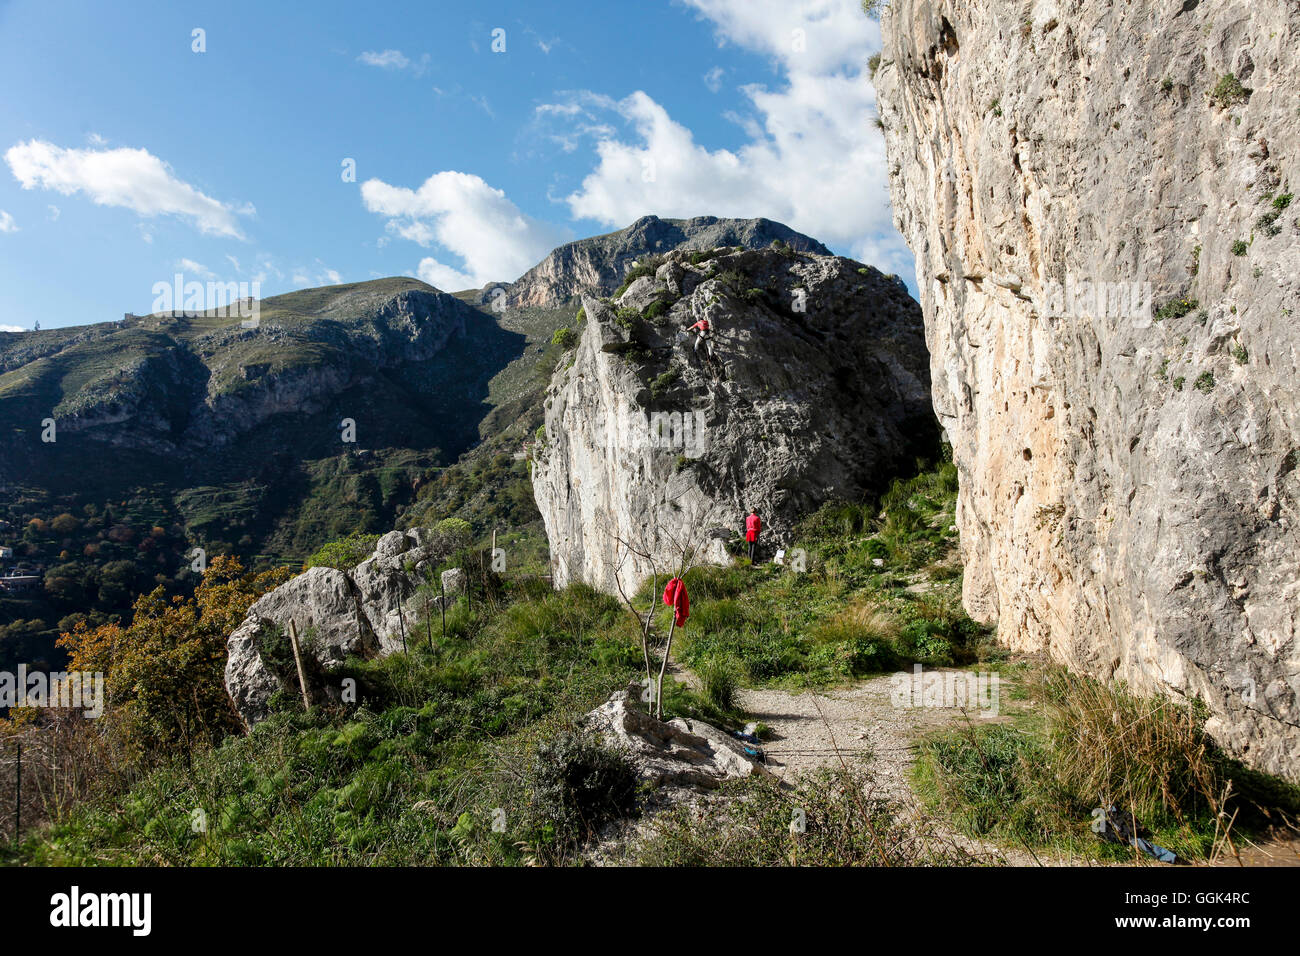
1036	780
845	616
823	819
409	775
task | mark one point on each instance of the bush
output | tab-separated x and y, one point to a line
1228	91
565	338
345	553
720	677
824	819
578	785
1175	309
664	382
648	266
985	777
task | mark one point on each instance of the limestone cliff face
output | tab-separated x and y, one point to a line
823	393
1128	479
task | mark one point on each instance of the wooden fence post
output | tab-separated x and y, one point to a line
401	618
18	797
297	659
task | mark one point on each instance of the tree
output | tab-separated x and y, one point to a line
165	673
65	524
668	555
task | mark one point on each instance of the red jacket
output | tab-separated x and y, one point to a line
675	594
753	525
702	325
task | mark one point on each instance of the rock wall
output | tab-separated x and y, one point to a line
821	392
366	612
1095	193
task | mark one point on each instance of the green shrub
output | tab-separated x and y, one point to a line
578	785
1228	91
1149	756
647	266
345	553
664	382
565	338
720	679
655	309
820	819
1240	247
1176	308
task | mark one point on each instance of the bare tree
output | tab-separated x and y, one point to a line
667	554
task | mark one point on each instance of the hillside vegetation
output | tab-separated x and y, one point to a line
466	749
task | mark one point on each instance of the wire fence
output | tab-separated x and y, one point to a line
47	766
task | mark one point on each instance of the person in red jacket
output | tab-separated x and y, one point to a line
753	525
676	596
703	330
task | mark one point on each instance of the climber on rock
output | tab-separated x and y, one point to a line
703	330
753	525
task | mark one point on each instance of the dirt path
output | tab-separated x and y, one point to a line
861	723
816	729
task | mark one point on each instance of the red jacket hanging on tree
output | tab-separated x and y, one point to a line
675	595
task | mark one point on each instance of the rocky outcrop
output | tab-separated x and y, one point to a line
596	266
820	390
1096	195
675	755
366	612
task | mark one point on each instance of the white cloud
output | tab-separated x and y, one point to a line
7	223
386	59
473	221
813	158
817	36
713	79
131	178
54	212
195	268
395	60
11	328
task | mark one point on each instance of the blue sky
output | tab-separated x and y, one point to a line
128	156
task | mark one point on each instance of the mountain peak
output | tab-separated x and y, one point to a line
597	265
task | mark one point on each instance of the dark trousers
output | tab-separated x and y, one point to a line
753	550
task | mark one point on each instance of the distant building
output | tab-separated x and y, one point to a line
17	583
6	553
